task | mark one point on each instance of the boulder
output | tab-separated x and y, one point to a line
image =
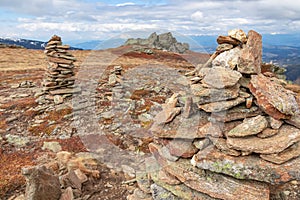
41	183
273	98
208	95
219	77
251	56
227	59
238	34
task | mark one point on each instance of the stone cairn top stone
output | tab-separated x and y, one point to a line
237	133
59	78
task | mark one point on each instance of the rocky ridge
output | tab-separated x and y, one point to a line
237	121
164	41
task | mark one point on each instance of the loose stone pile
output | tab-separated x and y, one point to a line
236	121
59	80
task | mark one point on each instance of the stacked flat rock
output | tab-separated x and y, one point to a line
236	121
59	78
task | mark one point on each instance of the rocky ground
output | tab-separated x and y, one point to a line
147	124
31	131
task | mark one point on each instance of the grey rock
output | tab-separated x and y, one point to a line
16	140
164	41
52	146
159	193
228	59
41	184
58	99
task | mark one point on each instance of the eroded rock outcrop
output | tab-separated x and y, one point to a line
164	41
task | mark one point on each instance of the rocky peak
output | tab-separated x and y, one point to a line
164	41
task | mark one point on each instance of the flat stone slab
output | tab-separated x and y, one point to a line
273	98
181	127
65	91
247	167
212	184
180	190
236	113
217	185
220	77
207	95
282	157
286	136
221	105
250	126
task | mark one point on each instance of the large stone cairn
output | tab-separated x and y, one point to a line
59	80
236	133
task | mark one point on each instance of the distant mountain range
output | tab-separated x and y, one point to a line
28	44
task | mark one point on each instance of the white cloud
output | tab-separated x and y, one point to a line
125	4
197	16
77	18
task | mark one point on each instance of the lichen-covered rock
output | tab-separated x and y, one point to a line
273	98
180	190
286	136
250	126
219	77
247	167
227	59
217	185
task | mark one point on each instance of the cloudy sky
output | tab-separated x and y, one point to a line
98	19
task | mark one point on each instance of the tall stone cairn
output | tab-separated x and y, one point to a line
234	135
59	80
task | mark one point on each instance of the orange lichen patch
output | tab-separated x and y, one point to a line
58	115
10	170
19	103
30	113
159	99
139	94
54	115
73	144
42	128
